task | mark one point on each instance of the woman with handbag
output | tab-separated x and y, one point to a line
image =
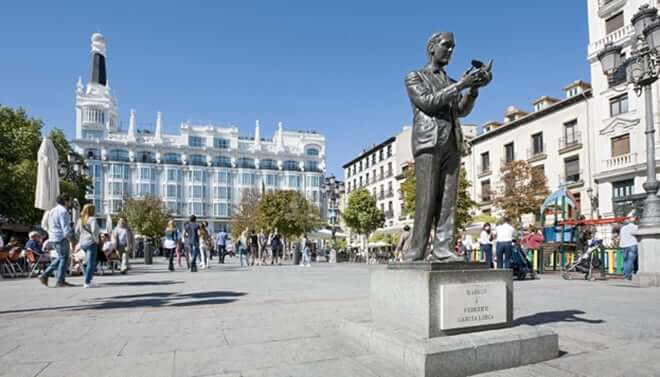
170	243
87	231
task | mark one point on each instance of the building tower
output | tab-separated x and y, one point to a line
96	107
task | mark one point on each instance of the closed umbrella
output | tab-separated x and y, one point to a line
48	180
108	223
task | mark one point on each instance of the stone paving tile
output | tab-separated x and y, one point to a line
247	335
124	366
323	368
18	369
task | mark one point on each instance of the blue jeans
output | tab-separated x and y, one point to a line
487	249
242	256
91	252
306	260
194	251
629	258
61	262
504	251
468	255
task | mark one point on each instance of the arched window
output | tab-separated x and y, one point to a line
291	165
119	155
146	156
197	159
92	154
245	163
312	151
222	161
172	158
268	164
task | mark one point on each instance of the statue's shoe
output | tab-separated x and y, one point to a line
447	258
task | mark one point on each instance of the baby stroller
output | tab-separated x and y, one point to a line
520	265
586	262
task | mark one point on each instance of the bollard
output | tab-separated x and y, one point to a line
148	252
610	260
619	261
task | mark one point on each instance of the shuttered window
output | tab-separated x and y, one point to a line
620	145
614	23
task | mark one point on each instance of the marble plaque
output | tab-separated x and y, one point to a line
469	305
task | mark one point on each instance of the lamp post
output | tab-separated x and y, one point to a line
642	70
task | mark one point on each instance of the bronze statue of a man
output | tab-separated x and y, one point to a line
437	144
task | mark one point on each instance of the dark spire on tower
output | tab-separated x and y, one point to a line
98	60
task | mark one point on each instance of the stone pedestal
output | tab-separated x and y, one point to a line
449	319
649	257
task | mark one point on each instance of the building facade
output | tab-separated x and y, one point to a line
203	170
618	112
554	137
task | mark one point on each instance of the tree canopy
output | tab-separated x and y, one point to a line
522	190
146	216
362	214
289	212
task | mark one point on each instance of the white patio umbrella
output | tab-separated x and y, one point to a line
48	180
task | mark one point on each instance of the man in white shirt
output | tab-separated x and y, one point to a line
504	236
60	233
628	244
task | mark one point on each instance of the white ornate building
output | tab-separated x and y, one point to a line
202	170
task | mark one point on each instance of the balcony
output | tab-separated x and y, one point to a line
504	161
622	161
390	194
381	196
536	155
483	171
614	37
570	143
607	8
389	214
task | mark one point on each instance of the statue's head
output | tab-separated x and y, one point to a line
440	48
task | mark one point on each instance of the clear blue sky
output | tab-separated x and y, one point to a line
332	66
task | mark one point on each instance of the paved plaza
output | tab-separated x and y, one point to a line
283	320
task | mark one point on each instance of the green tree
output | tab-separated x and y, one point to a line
76	183
289	212
20	137
362	214
464	203
522	190
147	216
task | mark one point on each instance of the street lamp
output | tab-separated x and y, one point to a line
641	70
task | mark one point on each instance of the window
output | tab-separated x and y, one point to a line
197	159
93	154
223	177
146	173
221	143
572	169
222	161
537	143
172	158
173	175
373	159
268	164
366	163
389	169
119	171
382	172
312	152
619	105
570	132
623	189
173	191
485	190
293	165
119	155
146	157
196	141
485	161
509	154
367	178
380	155
621	145
247	179
614	23
222	193
313	166
92	134
293	181
389	150
220	209
360	165
245	163
360	181
272	180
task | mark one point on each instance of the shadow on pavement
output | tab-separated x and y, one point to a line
151	300
554	317
141	283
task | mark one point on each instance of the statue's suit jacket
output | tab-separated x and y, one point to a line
437	104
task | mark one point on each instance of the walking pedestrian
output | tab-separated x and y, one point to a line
253	247
628	244
60	237
124	241
276	248
192	241
504	233
242	247
170	243
304	247
221	245
403	238
263	247
466	246
203	246
87	232
486	244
